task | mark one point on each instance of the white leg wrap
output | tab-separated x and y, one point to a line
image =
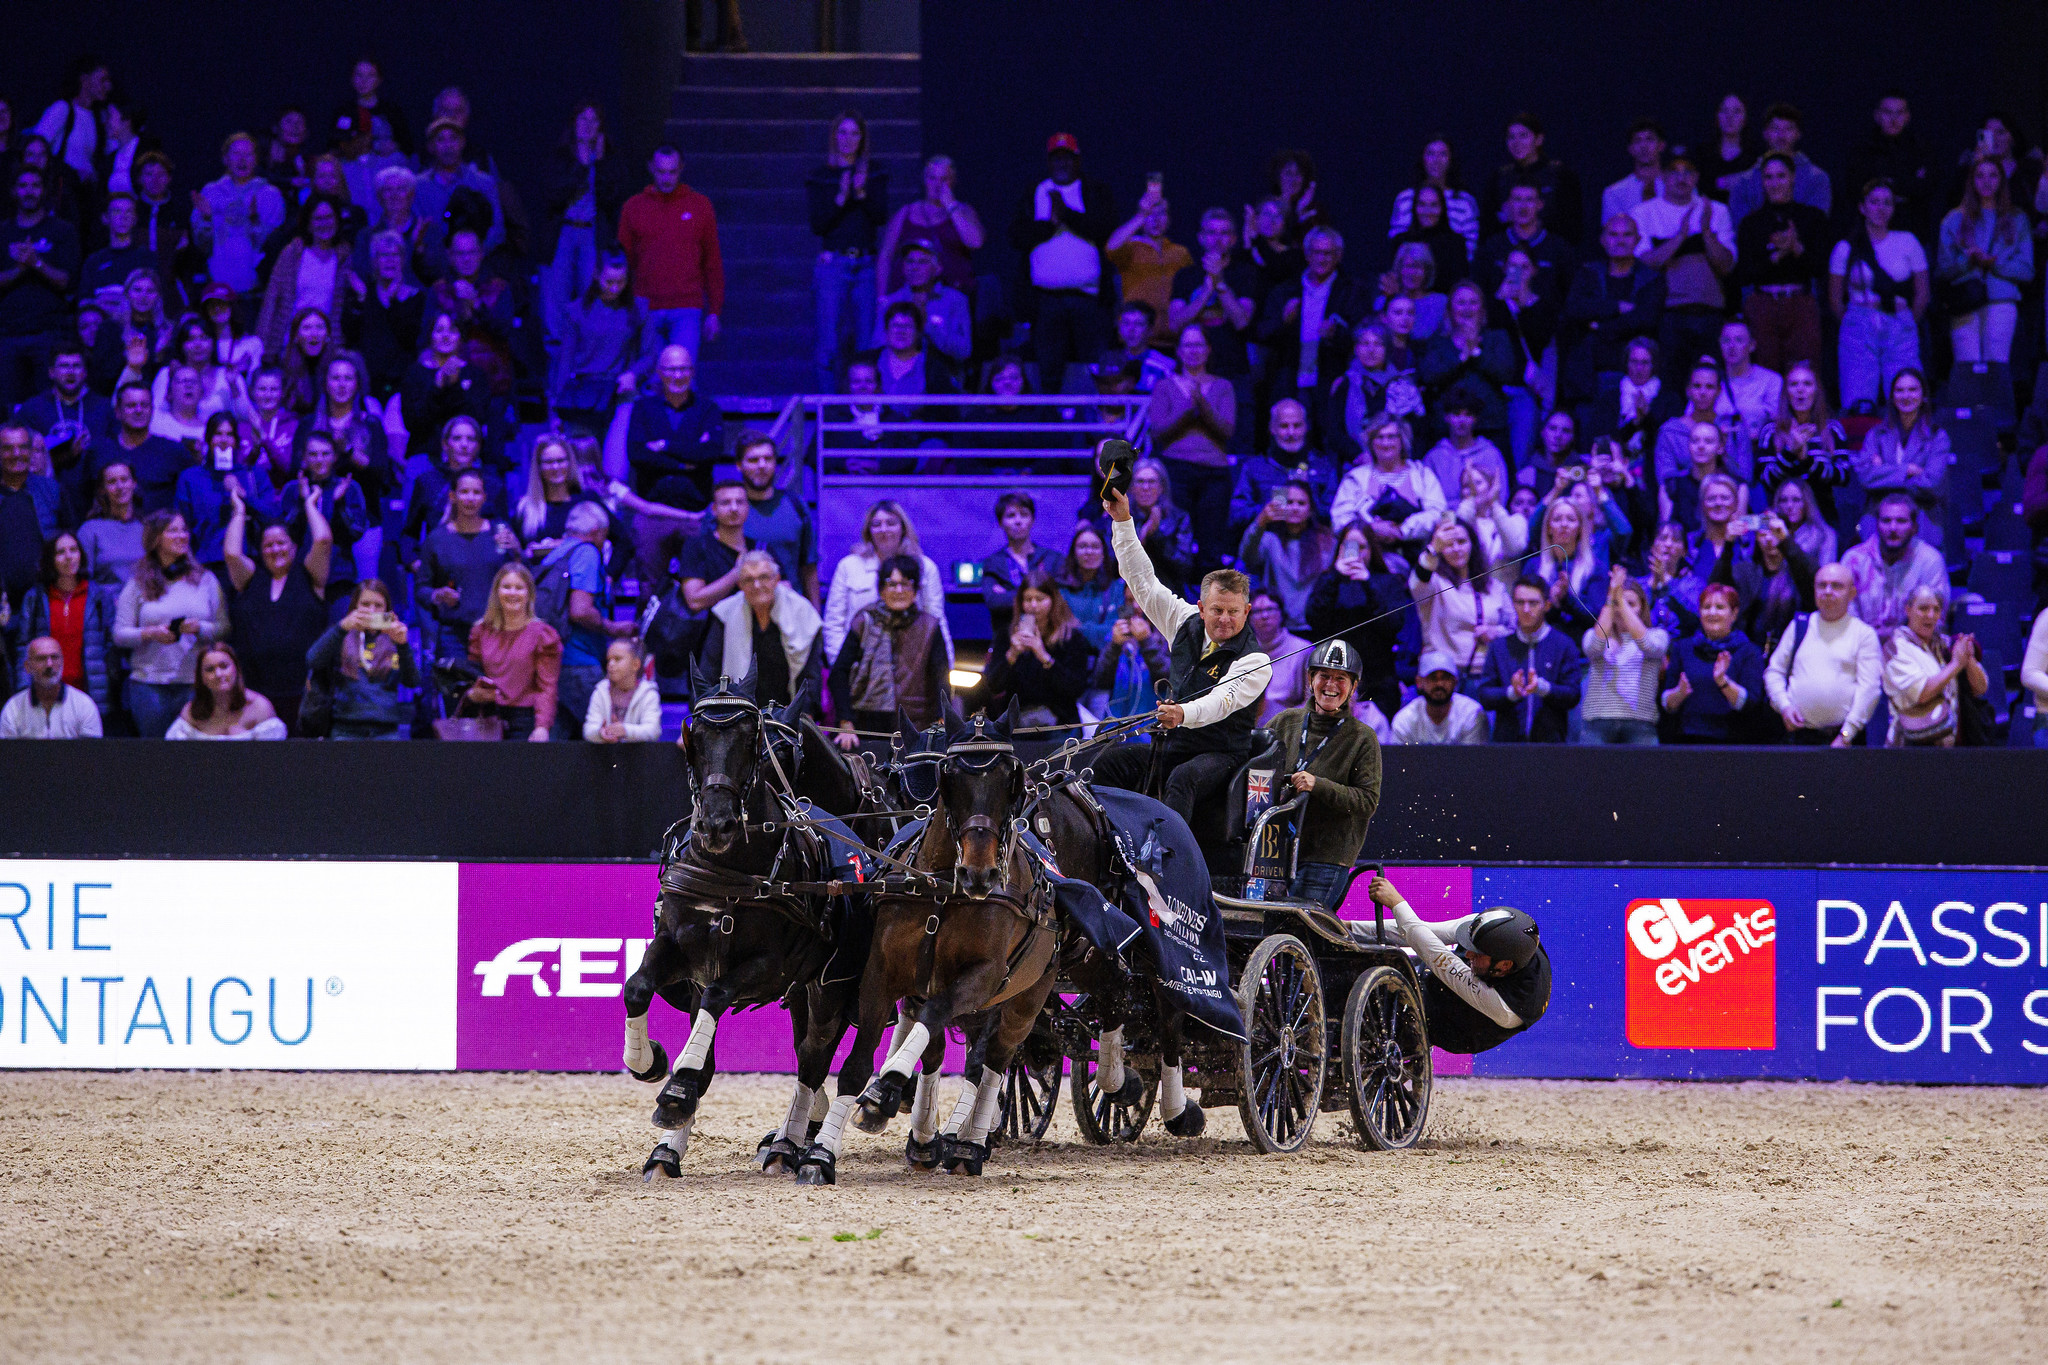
677	1140
639	1052
1109	1062
799	1114
901	1030
835	1123
1173	1095
903	1059
963	1110
924	1112
821	1103
986	1100
699	1045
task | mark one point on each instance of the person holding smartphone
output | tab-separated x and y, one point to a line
227	471
367	656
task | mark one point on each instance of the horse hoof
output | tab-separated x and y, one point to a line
657	1068
677	1103
1133	1092
870	1118
963	1158
922	1156
819	1167
778	1156
1188	1123
662	1164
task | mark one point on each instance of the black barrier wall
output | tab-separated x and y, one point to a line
138	799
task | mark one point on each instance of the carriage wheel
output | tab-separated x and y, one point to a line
1101	1119
1031	1095
1386	1059
1282	1059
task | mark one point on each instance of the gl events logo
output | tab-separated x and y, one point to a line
1702	973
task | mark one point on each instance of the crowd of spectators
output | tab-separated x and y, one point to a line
1675	462
288	448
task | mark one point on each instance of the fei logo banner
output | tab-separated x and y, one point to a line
1702	973
294	966
545	951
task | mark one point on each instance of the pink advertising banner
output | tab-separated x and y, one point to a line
543	953
544	950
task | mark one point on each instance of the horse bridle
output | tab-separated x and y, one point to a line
991	753
721	711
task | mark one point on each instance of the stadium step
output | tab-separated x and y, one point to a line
795	102
752	70
886	136
750	128
783	167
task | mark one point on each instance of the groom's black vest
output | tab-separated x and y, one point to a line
1193	675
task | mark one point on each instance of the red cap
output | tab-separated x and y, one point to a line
216	292
1062	142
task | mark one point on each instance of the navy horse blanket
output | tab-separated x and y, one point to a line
1168	894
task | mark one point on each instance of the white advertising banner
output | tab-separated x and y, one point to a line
275	965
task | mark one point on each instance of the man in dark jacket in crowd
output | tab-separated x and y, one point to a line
1533	677
1306	322
1612	301
1563	206
1061	228
1892	149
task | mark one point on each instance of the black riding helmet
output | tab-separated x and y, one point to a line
1502	933
1338	657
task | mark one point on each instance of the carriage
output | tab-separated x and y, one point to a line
1333	1014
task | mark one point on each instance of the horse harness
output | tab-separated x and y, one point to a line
1035	905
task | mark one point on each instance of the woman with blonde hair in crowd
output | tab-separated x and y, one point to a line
1395	495
1571	567
886	531
554	484
521	656
1985	258
1624	664
1681	497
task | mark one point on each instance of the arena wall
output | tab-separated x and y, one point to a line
1711	913
1818	973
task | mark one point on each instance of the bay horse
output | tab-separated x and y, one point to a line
974	933
1075	830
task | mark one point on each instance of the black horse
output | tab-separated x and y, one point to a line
721	941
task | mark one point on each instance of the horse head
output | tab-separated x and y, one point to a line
981	791
724	746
